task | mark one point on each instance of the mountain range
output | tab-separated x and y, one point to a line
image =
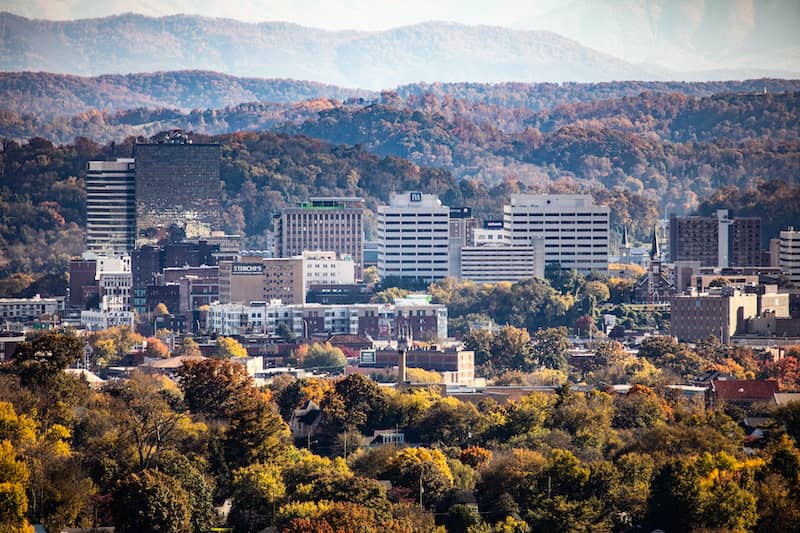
433	51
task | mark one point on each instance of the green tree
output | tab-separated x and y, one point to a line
324	356
550	348
198	486
480	342
256	432
151	501
285	332
356	402
42	361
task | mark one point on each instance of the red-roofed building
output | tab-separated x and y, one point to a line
742	392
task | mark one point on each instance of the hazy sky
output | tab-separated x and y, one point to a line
334	15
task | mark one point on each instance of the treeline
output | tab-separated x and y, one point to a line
541	96
45	95
150	454
680	118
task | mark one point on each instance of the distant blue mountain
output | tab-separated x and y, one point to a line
434	51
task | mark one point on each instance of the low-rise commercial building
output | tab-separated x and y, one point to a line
95	319
426	320
493	264
721	313
26	310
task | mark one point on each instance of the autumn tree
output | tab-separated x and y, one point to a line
13	484
146	417
189	348
213	387
325	357
156	348
510	349
422	469
228	347
257	491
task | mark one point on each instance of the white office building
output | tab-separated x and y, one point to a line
496	263
96	319
789	253
326	268
115	291
24	310
111	206
574	229
413	237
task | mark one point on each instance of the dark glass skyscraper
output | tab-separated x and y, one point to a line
177	185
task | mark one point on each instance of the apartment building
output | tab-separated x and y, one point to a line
718	241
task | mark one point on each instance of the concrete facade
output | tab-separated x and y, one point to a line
721	314
111	206
414	237
789	253
574	229
322	223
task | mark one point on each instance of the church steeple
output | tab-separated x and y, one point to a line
655	249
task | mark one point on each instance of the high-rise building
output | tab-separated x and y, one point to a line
745	242
111	207
322	224
462	228
574	229
789	253
715	241
177	186
413	236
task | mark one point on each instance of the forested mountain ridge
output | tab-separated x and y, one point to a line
47	95
541	96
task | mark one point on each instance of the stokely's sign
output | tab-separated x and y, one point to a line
248	268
